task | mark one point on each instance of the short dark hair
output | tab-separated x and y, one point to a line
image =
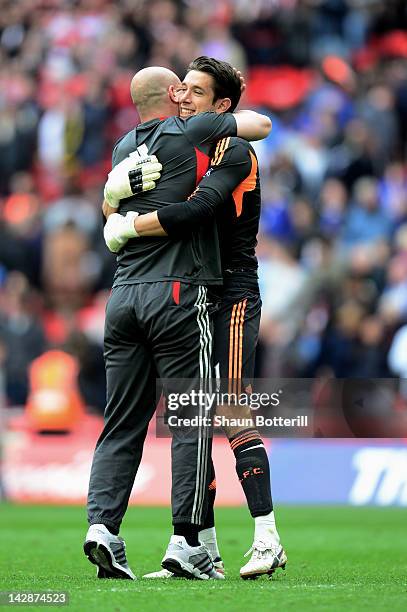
226	81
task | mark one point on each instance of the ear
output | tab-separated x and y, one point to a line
223	105
172	93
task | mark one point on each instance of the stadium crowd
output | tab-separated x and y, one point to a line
332	74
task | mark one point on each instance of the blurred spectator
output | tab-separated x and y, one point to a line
65	273
393	302
21	334
281	280
21	228
365	222
338	350
303	219
370	357
352	159
378	111
19	116
332	204
73	207
95	116
393	192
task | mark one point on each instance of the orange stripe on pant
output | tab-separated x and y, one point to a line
239	365
236	346
231	334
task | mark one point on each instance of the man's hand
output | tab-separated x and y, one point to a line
118	229
133	175
242	80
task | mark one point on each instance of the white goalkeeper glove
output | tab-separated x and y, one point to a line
133	175
118	229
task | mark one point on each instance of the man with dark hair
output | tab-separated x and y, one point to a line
231	188
157	323
223	79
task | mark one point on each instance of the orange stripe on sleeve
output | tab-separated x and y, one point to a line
218	144
248	184
222	151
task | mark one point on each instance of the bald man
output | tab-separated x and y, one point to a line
158	326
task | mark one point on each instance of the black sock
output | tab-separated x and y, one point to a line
112	530
210	516
190	532
252	468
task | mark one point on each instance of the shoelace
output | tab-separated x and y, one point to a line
208	551
261	550
217	565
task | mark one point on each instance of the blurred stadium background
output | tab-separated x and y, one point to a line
332	74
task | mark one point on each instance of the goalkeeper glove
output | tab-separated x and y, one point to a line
119	229
133	175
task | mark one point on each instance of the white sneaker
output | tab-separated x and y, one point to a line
218	564
108	552
187	561
160	574
265	559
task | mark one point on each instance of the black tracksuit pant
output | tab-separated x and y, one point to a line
152	330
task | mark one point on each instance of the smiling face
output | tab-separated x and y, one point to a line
196	95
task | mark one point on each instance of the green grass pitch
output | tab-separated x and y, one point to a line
338	559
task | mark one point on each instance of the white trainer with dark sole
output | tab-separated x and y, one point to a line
190	562
265	559
108	552
163	574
